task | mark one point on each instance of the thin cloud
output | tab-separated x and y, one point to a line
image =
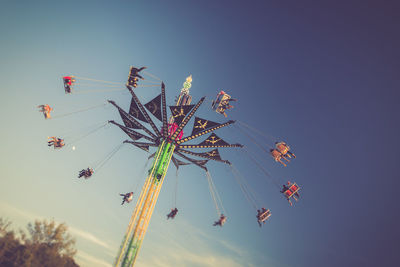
191	259
89	260
239	251
88	236
183	256
15	211
202	235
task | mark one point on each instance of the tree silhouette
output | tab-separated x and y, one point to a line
47	244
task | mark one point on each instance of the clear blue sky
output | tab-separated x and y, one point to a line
322	75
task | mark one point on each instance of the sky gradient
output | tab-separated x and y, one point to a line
322	76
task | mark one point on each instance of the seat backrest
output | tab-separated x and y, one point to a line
282	148
294	187
275	154
288	193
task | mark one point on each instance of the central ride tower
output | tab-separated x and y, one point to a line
151	189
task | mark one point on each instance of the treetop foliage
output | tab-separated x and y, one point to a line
47	244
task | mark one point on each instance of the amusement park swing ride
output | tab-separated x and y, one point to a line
170	145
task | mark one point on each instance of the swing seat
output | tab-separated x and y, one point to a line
276	154
68	82
282	147
222	98
59	143
264	216
293	189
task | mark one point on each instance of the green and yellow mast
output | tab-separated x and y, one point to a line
151	189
